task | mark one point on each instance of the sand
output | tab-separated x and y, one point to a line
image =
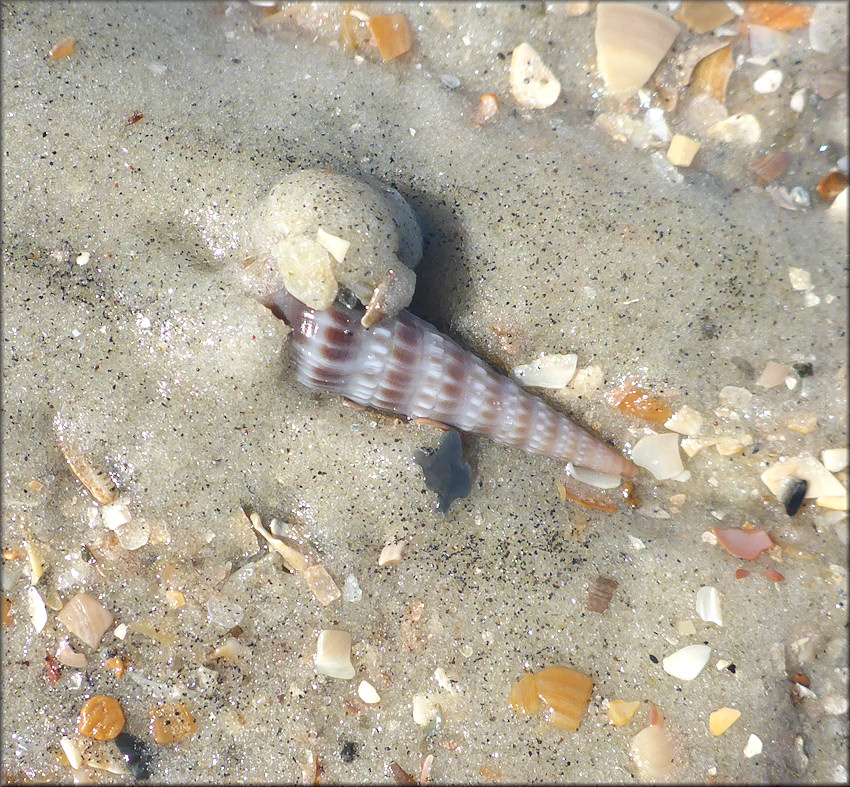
123	315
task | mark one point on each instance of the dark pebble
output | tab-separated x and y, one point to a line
792	495
803	369
137	754
348	751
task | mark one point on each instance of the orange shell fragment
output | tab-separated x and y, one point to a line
778	16
640	403
391	33
64	48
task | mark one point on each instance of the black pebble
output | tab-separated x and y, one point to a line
348	751
445	471
137	754
792	494
803	369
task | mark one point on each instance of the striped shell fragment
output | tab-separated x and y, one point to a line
403	365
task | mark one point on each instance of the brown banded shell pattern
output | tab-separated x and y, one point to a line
403	365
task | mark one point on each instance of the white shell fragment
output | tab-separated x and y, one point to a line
337	247
659	453
75	759
368	693
686	421
593	477
686	663
37	610
743	129
333	654
84	616
769	81
708	605
548	371
800	279
532	83
391	553
821	483
652	752
838	209
115	514
424	709
69	657
631	40
322	584
835	459
798	101
753	747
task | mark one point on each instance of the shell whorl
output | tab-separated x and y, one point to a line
405	366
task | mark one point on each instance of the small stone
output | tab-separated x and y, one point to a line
532	83
171	723
101	718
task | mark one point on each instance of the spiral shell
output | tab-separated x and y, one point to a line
405	366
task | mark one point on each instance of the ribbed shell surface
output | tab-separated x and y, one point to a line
405	366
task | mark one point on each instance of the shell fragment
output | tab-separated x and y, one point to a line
532	83
686	663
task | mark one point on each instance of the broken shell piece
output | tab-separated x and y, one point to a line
711	74
322	584
424	709
708	605
753	747
565	692
524	699
115	514
774	374
704	16
631	40
769	81
600	594
620	712
391	553
593	477
336	247
838	210
548	371
741	129
686	663
651	750
771	166
682	150
778	16
391	33
721	720
798	101
64	48
835	459
102	755
333	654
659	453
35	561
367	692
821	483
85	617
746	544
774	575
532	83
305	266
686	421
92	476
832	185
37	610
75	759
487	109
69	657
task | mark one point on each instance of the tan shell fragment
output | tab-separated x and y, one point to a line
84	616
532	83
704	16
631	40
742	128
682	150
711	74
92	476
